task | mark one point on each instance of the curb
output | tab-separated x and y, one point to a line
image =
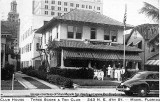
97	86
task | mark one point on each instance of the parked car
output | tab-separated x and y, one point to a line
141	83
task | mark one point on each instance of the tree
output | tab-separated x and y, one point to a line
150	11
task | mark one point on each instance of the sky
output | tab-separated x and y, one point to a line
111	8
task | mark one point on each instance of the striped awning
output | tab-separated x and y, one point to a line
98	55
77	54
152	62
104	56
130	57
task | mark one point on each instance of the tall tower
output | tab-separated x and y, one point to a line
13	16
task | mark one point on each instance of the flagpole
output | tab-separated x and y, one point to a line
124	49
125	17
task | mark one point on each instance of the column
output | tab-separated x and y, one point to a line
137	66
89	64
62	60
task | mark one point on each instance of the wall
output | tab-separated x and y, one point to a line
136	37
86	33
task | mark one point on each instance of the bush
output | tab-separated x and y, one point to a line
35	73
7	72
83	73
26	70
59	80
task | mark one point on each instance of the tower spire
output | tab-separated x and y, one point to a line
13	15
13	6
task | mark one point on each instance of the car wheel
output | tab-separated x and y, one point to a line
128	93
142	91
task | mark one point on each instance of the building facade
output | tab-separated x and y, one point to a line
38	13
146	37
10	37
83	38
60	7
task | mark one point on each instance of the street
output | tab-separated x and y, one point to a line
79	92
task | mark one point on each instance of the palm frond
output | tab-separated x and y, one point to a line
150	11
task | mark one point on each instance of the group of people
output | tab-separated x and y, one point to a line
109	72
98	74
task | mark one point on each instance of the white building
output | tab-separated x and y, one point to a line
35	13
83	38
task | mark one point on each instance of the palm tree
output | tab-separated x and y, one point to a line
150	11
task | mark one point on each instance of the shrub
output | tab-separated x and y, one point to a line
35	73
83	73
26	70
7	72
42	67
59	80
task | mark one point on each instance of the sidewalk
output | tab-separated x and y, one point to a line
54	91
28	85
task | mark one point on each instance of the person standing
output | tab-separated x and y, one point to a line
109	70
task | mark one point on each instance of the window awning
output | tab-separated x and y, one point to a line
152	62
98	55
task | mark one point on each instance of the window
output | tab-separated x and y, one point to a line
65	3
90	7
53	7
93	33
70	32
46	6
59	14
140	45
106	35
30	46
113	33
71	4
77	5
86	6
52	13
83	6
59	2
46	12
98	8
65	9
78	32
53	2
46	1
59	8
74	32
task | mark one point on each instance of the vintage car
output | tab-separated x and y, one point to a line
140	83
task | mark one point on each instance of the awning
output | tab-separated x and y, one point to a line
152	62
129	57
77	54
98	55
104	56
